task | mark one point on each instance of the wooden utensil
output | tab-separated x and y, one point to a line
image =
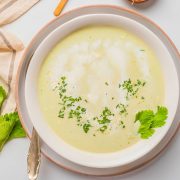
137	1
60	7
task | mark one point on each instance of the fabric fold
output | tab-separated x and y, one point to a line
10	54
10	10
9	42
10	48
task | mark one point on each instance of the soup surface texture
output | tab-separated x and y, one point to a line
92	84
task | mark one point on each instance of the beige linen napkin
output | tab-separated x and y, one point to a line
10	10
10	48
9	60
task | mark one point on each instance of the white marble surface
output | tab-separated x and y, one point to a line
13	157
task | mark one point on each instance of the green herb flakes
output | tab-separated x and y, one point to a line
103	128
77	113
72	108
122	109
70	105
104	119
122	124
86	127
132	88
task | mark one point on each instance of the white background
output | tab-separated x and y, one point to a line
13	157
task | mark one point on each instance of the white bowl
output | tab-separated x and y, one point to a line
100	160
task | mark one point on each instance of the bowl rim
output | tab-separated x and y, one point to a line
124	9
69	155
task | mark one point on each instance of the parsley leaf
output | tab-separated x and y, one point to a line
146	133
10	128
17	132
145	117
3	96
150	120
6	127
160	117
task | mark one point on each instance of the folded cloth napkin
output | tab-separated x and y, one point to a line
10	52
10	10
9	60
10	47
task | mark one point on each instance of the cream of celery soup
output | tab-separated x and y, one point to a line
99	89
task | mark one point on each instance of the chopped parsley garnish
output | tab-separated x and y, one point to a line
122	109
77	113
68	103
71	107
150	120
103	128
132	88
142	97
106	112
105	116
104	119
122	124
86	127
61	112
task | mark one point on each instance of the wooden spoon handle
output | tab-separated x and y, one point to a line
60	7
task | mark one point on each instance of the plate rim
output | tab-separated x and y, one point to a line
50	23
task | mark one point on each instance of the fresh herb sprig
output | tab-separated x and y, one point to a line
150	120
10	128
10	125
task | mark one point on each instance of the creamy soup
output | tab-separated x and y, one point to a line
92	84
